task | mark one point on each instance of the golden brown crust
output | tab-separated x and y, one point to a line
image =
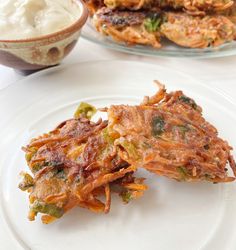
81	161
197	32
72	165
195	7
147	28
125	26
187	23
170	138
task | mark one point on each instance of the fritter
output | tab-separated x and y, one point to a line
230	13
197	32
130	27
168	135
81	162
195	7
74	165
148	27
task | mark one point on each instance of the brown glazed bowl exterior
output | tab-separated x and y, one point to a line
44	51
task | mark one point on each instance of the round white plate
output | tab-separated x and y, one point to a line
170	215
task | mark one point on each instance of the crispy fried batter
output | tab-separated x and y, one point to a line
126	26
197	32
230	13
81	162
72	166
187	23
129	4
147	28
170	138
195	7
94	5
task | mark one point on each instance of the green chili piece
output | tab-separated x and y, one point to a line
32	151
38	166
131	149
107	137
126	196
50	209
152	25
28	156
152	22
85	110
27	182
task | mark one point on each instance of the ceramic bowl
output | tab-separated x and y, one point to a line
44	51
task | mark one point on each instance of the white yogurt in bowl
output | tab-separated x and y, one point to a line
22	19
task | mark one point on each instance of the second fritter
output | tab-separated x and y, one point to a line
149	27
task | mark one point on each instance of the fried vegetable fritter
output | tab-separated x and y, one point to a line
197	32
74	165
81	162
230	13
195	7
129	27
168	135
187	23
147	28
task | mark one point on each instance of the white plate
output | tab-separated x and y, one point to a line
171	215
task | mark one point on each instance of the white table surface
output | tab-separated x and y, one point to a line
219	73
216	72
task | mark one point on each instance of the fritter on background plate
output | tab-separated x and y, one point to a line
130	27
148	27
195	7
197	32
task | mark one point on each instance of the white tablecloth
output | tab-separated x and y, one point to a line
217	72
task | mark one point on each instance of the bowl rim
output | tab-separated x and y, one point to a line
78	24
